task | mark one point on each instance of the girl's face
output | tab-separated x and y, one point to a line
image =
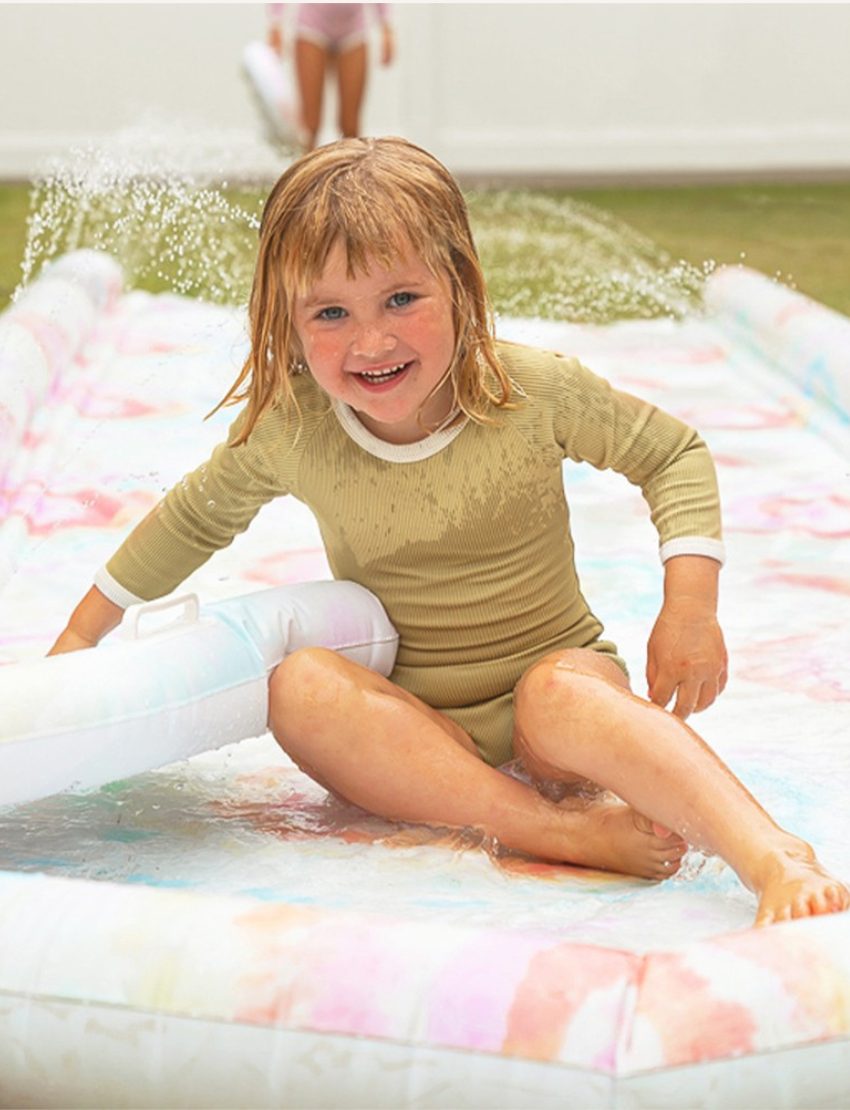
382	342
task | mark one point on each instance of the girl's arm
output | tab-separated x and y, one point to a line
387	36
686	654
91	620
670	463
275	27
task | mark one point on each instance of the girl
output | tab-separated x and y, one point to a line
432	458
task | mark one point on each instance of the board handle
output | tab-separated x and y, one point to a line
188	604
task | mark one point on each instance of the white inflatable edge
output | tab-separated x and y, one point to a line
142	700
807	341
46	325
44	328
130	995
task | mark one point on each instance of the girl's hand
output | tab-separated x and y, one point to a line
387	45
686	657
275	39
69	641
91	620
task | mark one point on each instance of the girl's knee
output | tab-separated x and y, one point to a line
551	677
304	694
302	665
565	676
302	679
552	698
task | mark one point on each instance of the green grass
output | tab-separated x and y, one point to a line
586	255
14	208
797	233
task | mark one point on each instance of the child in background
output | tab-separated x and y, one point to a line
432	457
331	36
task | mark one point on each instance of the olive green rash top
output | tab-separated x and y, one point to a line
464	536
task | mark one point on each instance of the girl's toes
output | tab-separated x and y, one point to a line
669	867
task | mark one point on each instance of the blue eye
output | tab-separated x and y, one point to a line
334	312
402	300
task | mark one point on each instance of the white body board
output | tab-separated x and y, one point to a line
86	718
273	88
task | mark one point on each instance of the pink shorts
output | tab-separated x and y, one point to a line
334	27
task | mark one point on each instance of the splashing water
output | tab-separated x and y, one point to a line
551	256
161	199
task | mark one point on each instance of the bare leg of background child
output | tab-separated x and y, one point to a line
379	747
311	63
351	83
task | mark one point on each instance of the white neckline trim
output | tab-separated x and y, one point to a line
394	452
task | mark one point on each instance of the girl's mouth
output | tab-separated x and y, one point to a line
372	378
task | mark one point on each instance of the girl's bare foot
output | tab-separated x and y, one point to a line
792	883
611	836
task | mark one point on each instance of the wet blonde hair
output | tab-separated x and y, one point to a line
379	198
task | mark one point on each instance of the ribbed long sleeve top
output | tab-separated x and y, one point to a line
464	536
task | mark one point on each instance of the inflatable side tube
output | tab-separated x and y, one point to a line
807	341
40	333
43	329
143	700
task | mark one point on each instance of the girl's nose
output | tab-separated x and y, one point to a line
372	341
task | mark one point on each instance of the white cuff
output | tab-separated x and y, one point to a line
694	545
114	591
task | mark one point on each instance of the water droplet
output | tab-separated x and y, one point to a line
141	196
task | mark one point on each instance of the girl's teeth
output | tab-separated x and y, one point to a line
381	375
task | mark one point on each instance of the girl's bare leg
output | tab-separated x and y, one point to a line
574	717
378	746
351	81
310	67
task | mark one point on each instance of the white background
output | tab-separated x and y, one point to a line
569	90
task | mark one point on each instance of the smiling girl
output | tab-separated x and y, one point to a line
432	456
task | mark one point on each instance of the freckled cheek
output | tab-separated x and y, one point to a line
321	350
434	334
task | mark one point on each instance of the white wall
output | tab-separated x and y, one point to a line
550	89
